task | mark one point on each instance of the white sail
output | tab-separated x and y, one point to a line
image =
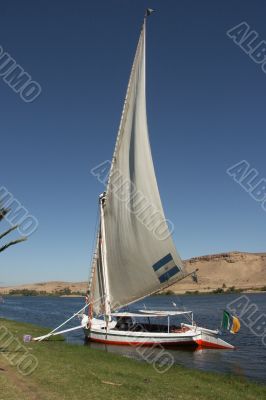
135	255
140	254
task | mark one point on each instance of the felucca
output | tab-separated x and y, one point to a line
135	255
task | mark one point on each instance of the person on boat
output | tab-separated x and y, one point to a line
124	323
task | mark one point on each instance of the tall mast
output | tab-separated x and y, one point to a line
93	272
104	196
107	298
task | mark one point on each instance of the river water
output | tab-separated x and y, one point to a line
248	360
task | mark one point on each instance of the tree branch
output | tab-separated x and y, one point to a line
12	243
8	231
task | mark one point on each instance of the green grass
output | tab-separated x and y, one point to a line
70	372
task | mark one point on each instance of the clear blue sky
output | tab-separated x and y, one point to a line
206	111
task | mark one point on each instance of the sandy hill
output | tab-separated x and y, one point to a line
242	270
49	287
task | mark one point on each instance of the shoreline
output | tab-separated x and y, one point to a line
80	369
219	291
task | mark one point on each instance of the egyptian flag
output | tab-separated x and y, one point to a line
230	322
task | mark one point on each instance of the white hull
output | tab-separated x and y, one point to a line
188	335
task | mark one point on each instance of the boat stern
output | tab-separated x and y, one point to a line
205	340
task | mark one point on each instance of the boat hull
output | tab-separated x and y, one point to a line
212	342
193	338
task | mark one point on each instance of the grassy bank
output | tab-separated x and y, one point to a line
69	372
32	292
67	292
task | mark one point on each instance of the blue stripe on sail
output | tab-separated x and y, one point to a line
167	275
162	262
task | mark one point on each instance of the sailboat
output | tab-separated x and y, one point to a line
135	255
